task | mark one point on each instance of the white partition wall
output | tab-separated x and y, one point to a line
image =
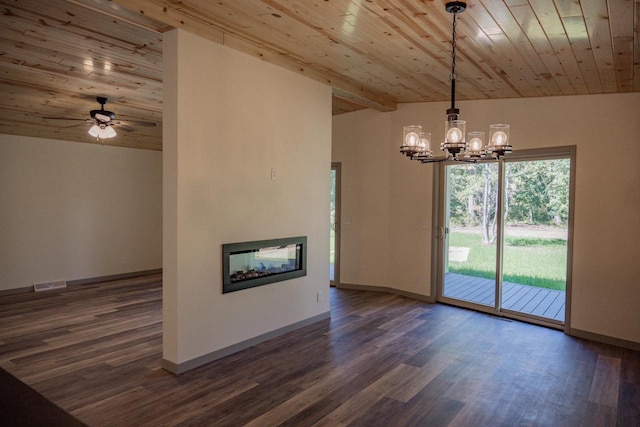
246	157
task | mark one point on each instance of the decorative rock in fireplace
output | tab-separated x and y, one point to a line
250	264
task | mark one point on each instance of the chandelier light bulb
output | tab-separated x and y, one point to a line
412	139
454	135
499	138
412	135
425	141
454	131
499	134
475	146
476	142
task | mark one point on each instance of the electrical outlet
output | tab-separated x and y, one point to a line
319	297
274	173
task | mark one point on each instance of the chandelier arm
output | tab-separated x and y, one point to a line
433	160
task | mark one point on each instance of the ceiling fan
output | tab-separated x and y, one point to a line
102	128
104	122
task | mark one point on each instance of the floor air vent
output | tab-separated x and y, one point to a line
45	286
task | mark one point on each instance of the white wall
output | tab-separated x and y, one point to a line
73	211
365	209
606	131
229	119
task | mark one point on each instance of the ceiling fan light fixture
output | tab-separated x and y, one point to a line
102	131
102	128
94	131
109	132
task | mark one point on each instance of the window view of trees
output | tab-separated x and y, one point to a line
536	194
536	216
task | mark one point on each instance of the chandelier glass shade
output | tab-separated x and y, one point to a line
458	144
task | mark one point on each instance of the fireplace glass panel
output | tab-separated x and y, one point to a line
263	262
250	264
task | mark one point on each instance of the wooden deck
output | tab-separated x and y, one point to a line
526	299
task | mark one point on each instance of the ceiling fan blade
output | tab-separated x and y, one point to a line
123	127
138	122
104	118
75	126
62	118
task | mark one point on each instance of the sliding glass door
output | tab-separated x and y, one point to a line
505	235
469	233
536	225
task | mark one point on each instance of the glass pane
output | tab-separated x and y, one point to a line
535	237
470	244
332	228
250	264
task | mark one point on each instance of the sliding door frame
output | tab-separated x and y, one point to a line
337	166
440	231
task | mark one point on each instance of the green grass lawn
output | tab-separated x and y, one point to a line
527	260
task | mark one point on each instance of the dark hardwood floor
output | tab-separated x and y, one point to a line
382	360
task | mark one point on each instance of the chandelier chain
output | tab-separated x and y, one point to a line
453	49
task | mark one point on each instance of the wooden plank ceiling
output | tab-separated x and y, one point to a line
56	56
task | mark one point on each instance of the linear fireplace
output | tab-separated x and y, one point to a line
250	264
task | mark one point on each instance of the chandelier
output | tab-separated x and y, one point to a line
417	144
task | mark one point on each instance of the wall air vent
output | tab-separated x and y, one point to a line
45	286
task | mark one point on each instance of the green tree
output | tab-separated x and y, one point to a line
473	197
537	192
